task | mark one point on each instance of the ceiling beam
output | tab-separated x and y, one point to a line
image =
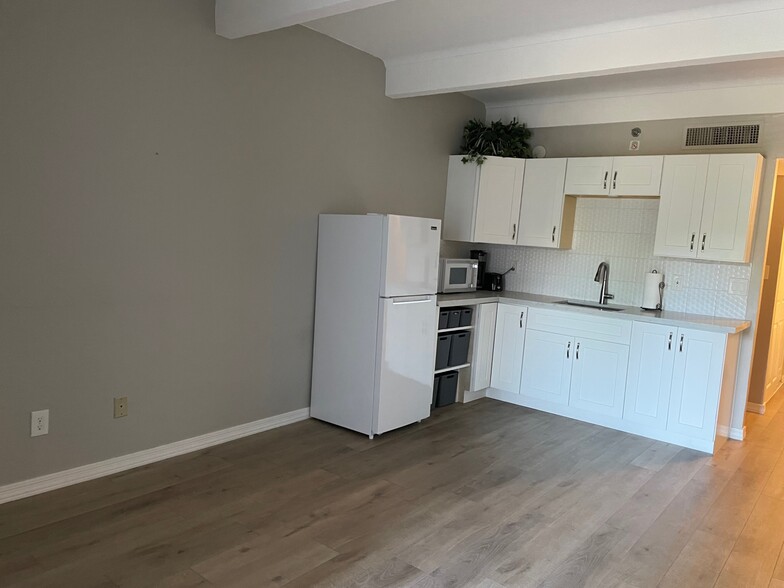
720	39
239	18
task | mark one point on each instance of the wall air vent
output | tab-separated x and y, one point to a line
721	136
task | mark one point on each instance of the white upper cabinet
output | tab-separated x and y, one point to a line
483	201
508	348
730	207
588	176
546	215
636	175
680	207
708	206
614	176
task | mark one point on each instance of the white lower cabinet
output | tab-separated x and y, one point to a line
665	382
599	376
484	336
696	383
649	380
508	348
547	366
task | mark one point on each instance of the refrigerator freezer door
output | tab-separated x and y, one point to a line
406	348
410	262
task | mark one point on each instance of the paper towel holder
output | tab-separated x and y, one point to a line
661	294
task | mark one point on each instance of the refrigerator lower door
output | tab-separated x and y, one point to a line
406	356
410	256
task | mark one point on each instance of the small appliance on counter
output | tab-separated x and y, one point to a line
481	257
495	282
457	275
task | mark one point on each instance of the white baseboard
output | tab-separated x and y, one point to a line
471	396
756	408
737	434
99	469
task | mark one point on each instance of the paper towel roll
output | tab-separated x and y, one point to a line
651	294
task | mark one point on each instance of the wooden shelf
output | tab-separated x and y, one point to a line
453	329
452	368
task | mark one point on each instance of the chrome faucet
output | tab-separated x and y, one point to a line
602	276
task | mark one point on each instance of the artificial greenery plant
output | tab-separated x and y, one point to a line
497	138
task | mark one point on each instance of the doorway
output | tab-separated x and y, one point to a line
767	367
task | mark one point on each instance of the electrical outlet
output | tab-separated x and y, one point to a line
120	407
39	422
676	283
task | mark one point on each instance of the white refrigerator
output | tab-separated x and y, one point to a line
375	321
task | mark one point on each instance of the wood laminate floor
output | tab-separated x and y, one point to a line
485	494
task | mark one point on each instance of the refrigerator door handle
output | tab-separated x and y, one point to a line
411	300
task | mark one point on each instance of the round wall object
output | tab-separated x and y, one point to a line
539	151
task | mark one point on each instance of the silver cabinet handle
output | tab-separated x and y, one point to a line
606	173
669	342
681	343
704	235
577	351
554	234
568	347
615	177
522	314
693	236
514	231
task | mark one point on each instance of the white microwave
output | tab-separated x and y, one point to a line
458	275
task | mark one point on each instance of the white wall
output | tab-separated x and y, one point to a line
159	194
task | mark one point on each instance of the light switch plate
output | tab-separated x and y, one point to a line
739	286
120	407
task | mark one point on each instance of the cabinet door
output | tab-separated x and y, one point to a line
680	207
547	366
696	383
648	382
484	336
599	377
542	205
730	207
636	176
588	176
508	348
498	200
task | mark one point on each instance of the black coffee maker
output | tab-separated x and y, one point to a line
481	257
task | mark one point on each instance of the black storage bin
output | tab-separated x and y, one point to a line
465	317
458	349
454	318
447	389
436	383
443	346
443	319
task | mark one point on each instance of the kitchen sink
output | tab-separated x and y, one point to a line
589	304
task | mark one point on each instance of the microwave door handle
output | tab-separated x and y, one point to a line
474	277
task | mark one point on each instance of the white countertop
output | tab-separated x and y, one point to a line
630	313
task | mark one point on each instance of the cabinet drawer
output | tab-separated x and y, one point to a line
579	325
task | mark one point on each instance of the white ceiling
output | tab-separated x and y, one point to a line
686	56
408	28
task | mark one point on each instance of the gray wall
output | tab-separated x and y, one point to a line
665	137
159	195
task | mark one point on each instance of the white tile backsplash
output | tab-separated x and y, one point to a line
621	232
